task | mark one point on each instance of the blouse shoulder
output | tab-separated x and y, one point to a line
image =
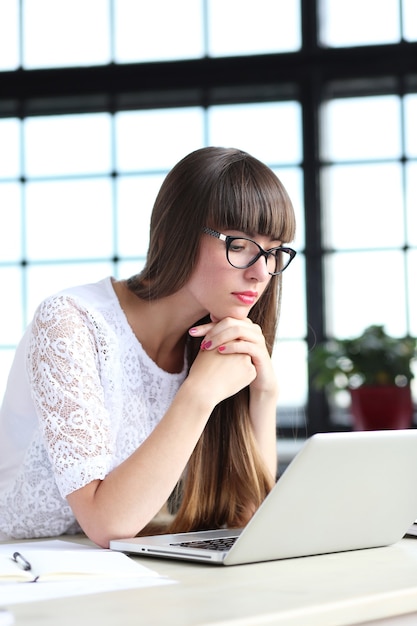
83	303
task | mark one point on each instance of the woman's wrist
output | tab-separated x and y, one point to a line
195	400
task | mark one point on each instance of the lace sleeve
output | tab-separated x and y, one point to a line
64	370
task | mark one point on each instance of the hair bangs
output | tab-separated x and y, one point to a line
251	198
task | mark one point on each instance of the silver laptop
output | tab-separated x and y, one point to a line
343	491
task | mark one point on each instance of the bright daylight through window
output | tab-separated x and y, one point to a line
82	158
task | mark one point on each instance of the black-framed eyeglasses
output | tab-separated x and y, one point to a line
242	252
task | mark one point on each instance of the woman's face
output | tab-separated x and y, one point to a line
219	288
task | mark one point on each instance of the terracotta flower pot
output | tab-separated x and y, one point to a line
381	407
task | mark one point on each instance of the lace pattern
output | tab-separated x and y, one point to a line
97	396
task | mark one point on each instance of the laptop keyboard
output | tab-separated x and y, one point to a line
222	544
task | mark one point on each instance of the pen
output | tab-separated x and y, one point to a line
24	564
21	561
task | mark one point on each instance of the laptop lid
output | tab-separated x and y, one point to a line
343	491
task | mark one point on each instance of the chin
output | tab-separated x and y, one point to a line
235	313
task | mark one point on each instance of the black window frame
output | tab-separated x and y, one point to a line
311	75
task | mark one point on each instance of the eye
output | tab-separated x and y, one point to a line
237	245
275	251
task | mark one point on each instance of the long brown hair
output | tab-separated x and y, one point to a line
225	189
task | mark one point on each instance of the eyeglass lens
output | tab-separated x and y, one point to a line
242	253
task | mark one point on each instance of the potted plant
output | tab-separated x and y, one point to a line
376	369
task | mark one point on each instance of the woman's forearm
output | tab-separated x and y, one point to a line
129	497
123	502
262	408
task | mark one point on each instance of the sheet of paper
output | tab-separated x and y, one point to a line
14	593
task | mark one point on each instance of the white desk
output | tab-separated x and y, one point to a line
329	590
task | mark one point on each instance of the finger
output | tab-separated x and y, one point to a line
203	329
242	347
223	377
219	336
200	331
265	377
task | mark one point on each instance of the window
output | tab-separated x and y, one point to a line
88	133
364	218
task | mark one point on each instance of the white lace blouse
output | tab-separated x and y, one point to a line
82	395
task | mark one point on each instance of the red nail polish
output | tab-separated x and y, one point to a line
222	348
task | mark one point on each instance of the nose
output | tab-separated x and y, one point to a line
258	271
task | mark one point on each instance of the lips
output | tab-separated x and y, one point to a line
246	297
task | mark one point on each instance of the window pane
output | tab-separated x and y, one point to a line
135	199
157	139
9	148
410	112
11	316
363	206
359	22
361	128
158	30
412	291
9	35
411	201
65	33
292	179
293	322
11	223
67	144
359	288
290	364
245	27
410	20
269	131
125	269
69	219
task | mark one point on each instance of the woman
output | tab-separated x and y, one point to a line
122	390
